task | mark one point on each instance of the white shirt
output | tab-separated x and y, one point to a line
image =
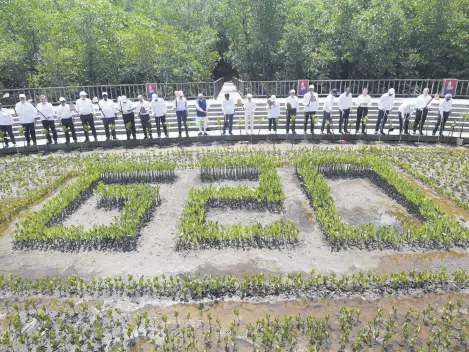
422	101
143	108
406	108
445	106
228	106
273	111
108	108
26	112
328	103
293	101
63	112
386	102
249	107
84	107
5	118
181	104
126	106
47	111
363	100
310	102
345	102
158	107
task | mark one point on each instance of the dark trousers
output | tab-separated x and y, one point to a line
405	122
87	120
420	117
309	117
344	115
443	123
290	113
146	125
129	122
109	121
229	120
29	132
8	129
70	127
326	117
50	126
361	113
182	119
274	122
161	120
382	118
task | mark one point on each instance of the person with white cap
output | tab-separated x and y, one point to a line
143	108
345	104
64	114
127	110
385	104
405	111
273	112
422	102
249	111
26	115
446	105
292	106
228	107
108	111
310	103
364	102
158	107
6	125
85	109
327	111
46	114
181	112
201	108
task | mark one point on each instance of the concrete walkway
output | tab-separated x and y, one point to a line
229	87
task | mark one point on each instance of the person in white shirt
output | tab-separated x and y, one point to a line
46	114
273	112
126	108
310	103
26	113
327	111
6	125
108	111
446	105
143	109
181	112
345	104
85	109
249	111
422	103
158	107
64	114
292	106
228	107
405	111
385	104
201	108
364	102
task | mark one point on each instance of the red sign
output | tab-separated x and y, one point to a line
303	85
450	86
151	89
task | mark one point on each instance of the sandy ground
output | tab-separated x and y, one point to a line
89	214
156	251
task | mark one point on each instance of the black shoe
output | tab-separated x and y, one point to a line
407	132
146	137
421	133
166	135
34	143
414	132
376	132
180	135
6	145
293	132
224	133
340	131
114	138
87	140
48	143
200	133
128	138
134	138
95	139
28	144
433	133
382	133
205	134
107	139
364	132
151	136
75	140
187	135
55	142
231	133
329	132
304	131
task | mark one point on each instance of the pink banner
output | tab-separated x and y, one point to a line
151	89
303	86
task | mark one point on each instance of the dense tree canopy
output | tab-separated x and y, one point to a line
68	42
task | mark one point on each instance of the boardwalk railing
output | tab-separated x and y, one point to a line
165	90
217	86
403	87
